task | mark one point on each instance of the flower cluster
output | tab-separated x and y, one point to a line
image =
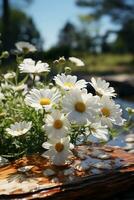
55	114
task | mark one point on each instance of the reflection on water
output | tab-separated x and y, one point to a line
124	104
120	139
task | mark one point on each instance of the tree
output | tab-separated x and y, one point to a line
5	22
120	12
22	28
15	25
125	42
73	38
67	36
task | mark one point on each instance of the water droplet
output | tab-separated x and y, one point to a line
25	168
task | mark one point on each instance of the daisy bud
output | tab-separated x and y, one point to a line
68	70
130	110
51	85
5	54
62	60
56	62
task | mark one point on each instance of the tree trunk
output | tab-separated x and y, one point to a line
6	24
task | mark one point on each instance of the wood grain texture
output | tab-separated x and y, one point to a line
84	184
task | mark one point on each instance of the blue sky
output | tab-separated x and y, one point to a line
51	15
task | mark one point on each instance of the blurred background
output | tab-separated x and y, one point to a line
100	32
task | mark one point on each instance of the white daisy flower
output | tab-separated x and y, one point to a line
57	125
102	87
110	112
42	99
68	82
58	150
29	66
9	75
19	128
80	106
76	61
98	131
25	47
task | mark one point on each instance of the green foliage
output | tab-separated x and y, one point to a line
21	28
124	41
72	38
101	64
120	13
119	10
14	110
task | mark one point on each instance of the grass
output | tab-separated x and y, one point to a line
100	64
106	64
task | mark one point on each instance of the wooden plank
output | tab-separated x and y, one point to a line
94	173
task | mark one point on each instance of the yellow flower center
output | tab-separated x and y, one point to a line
69	84
45	101
80	107
105	111
19	129
58	124
59	147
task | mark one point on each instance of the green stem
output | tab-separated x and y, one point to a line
17	76
34	80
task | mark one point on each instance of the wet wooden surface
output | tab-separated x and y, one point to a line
93	173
